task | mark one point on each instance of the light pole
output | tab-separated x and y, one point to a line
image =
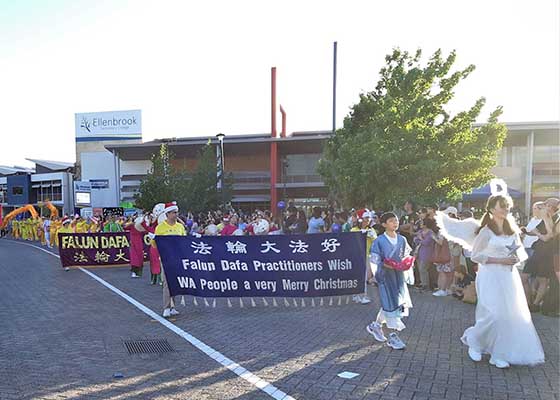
220	137
285	164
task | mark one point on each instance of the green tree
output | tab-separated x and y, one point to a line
194	191
157	186
399	142
198	191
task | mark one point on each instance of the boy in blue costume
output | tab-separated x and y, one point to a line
390	248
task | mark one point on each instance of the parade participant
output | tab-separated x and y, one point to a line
16	229
47	232
44	231
136	246
155	266
112	226
93	224
388	248
24	227
66	228
149	224
503	327
35	228
169	227
56	223
81	225
40	232
230	225
364	219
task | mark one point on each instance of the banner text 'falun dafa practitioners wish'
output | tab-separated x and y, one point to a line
264	266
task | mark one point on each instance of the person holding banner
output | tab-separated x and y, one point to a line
65	228
390	255
364	220
169	227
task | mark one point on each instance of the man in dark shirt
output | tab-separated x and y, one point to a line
290	220
407	221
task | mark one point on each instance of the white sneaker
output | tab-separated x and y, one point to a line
166	313
133	275
440	293
395	342
365	300
474	355
376	331
174	312
499	363
67	268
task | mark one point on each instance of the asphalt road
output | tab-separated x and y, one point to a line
63	333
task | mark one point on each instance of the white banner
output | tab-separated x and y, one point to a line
109	124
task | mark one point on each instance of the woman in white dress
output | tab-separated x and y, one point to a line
503	327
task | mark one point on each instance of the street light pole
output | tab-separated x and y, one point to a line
221	167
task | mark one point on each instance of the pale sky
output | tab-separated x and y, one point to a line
200	68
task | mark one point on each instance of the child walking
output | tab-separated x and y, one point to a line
390	249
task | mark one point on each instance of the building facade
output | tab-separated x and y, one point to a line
529	161
48	181
247	158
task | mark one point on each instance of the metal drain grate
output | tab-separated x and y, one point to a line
147	346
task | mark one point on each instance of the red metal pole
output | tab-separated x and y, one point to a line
283	132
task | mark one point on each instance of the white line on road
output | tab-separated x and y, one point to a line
253	379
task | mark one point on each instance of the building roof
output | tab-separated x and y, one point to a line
5	170
304	142
52	165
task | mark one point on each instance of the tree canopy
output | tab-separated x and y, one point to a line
194	191
399	142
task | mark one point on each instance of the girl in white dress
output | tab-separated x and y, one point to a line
503	327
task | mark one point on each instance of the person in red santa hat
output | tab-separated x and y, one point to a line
136	246
171	226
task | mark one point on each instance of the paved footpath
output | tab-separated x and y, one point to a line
62	337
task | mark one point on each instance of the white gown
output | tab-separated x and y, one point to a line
503	326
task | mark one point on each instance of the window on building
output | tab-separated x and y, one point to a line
302	168
3	194
519	156
546	154
17	190
56	193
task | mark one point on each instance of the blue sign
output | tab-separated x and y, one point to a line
264	266
99	183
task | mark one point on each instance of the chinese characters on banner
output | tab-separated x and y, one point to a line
97	249
265	266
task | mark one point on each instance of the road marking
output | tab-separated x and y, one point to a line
253	379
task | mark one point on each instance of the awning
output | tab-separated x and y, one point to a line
482	193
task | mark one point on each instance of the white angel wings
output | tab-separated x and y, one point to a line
462	232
